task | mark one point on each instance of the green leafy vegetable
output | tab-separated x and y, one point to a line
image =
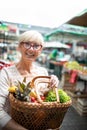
63	96
51	96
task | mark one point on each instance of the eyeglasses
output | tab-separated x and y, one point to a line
28	45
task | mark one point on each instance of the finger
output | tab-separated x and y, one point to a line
54	81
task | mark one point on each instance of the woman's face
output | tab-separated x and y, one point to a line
30	50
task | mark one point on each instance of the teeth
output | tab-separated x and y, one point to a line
30	54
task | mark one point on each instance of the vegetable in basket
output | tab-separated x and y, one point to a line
51	96
21	91
26	92
29	92
63	96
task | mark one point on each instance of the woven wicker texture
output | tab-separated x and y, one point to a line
36	116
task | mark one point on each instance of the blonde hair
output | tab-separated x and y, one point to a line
31	36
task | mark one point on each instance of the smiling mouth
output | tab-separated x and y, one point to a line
30	54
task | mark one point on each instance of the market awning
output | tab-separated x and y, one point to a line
80	19
56	45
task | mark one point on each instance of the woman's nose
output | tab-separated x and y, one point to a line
31	48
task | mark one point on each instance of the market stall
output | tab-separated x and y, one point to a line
73	72
76	71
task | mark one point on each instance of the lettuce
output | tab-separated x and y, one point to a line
51	96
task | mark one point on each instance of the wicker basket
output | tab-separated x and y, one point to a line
38	116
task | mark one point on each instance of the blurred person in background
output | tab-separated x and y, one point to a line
72	57
61	54
30	46
53	54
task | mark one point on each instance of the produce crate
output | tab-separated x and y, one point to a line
82	106
67	84
79	102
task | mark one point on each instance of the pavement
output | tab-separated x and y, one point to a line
73	121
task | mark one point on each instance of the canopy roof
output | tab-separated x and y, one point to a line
75	26
80	19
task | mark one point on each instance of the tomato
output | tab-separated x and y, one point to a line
42	97
33	99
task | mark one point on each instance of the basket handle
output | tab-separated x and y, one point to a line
42	79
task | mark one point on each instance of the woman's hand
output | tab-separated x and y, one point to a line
54	81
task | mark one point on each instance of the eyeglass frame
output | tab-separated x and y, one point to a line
26	45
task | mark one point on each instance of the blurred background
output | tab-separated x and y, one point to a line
63	25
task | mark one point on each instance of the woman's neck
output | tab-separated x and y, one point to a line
27	67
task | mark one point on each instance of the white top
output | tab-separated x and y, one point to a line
8	74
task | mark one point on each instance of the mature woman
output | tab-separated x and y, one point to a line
30	46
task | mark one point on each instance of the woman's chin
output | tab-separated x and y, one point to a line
30	59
